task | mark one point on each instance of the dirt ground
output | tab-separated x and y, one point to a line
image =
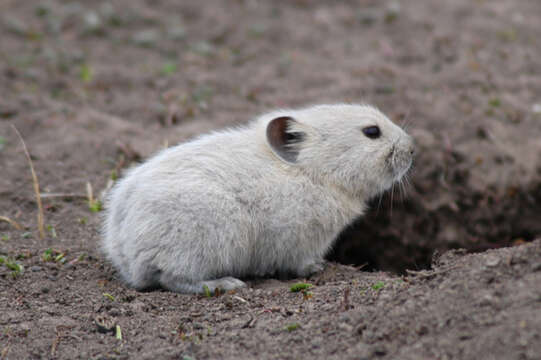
93	86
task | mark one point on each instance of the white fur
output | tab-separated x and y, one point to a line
225	206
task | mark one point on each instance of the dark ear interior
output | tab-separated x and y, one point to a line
282	140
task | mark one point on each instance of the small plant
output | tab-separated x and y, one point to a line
169	68
378	286
95	206
494	102
118	333
60	258
86	74
83	220
47	255
5	237
300	287
206	291
292	327
51	255
109	296
16	268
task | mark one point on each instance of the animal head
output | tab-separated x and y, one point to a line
354	147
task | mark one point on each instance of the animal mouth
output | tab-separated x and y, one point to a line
400	171
399	163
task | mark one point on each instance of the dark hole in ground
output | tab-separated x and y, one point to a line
407	236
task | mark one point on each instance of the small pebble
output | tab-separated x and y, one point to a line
379	350
487	300
15	25
36	268
92	21
492	261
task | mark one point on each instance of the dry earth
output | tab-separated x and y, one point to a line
95	86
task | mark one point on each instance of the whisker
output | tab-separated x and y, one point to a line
406	121
392	196
401	190
379	202
407	180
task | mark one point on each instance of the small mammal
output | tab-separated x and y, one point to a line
267	198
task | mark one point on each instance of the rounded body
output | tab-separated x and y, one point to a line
222	207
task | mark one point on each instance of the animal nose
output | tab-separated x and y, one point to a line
411	148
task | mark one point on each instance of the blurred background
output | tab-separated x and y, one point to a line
96	85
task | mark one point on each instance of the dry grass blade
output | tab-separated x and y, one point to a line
41	228
13	223
89	193
63	196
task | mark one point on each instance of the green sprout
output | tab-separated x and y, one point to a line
378	286
109	296
118	333
169	68
300	287
292	327
47	255
86	73
60	258
95	206
206	291
15	267
495	102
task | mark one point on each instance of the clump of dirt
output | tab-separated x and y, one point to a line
96	86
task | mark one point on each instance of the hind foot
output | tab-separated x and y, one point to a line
224	284
310	268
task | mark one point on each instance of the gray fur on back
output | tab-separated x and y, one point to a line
228	205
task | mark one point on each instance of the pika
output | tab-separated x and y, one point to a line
264	199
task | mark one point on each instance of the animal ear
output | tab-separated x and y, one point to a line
284	139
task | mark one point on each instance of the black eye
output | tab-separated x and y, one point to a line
372	132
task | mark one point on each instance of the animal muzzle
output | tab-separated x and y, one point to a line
401	158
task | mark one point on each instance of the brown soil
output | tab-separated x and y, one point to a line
94	86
